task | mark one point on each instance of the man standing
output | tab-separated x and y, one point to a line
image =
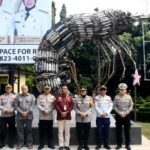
46	105
64	106
123	105
83	107
31	21
7	109
24	104
103	106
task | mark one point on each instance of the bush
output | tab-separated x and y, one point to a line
146	104
144	109
138	105
142	116
140	98
147	98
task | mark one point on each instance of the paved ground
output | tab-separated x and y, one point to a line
145	146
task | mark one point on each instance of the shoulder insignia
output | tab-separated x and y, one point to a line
6	12
43	11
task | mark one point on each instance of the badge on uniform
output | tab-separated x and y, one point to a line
65	107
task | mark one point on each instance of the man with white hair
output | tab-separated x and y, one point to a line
24	104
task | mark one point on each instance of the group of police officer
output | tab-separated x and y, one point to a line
23	104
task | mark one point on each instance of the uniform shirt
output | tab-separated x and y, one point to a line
45	102
7	101
123	104
36	24
25	103
5	20
83	105
64	104
103	104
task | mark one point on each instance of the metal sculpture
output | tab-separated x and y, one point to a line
51	63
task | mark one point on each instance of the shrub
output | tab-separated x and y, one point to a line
147	98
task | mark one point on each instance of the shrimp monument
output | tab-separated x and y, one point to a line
101	28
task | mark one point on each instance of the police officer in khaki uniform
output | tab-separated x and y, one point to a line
7	108
83	107
45	104
25	103
5	20
31	21
123	105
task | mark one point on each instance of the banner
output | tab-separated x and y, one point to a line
23	23
17	54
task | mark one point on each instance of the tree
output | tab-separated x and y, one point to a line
53	13
63	13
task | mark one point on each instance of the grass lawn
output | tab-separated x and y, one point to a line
145	129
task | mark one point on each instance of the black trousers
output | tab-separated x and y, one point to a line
123	122
103	125
46	129
7	125
83	132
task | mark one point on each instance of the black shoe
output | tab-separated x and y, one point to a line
107	147
67	147
51	146
19	146
11	146
61	148
86	147
80	147
118	147
98	147
30	146
2	145
128	147
40	147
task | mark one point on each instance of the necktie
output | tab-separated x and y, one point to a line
27	15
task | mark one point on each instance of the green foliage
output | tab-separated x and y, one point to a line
147	98
63	13
27	68
146	105
53	13
144	109
85	57
137	41
30	81
147	35
140	100
143	105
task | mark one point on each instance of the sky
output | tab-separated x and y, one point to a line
87	6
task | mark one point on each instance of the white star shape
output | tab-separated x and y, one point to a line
136	77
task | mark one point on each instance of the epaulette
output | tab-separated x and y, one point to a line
43	11
6	12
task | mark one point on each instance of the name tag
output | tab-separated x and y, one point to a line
65	107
